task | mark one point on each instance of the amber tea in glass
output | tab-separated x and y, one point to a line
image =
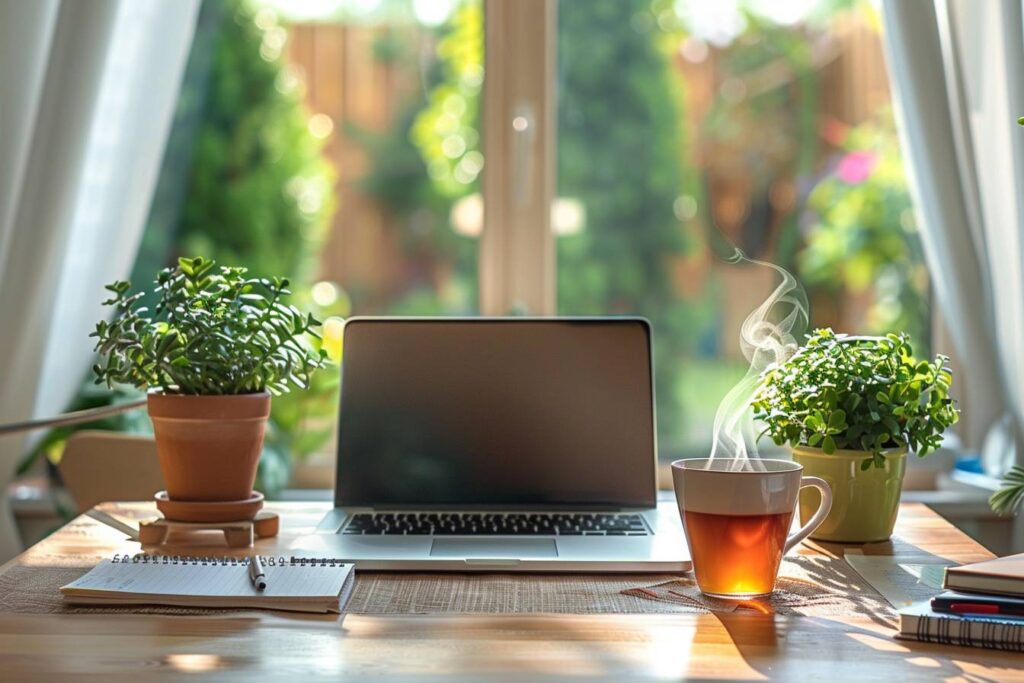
737	518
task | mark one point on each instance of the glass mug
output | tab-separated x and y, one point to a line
737	520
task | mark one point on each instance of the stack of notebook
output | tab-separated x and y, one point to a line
295	584
983	606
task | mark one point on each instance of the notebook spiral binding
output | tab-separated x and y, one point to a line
196	560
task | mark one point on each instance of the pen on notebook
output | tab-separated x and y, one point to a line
973	608
256	573
983	608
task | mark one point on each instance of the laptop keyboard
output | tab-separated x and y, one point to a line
496	524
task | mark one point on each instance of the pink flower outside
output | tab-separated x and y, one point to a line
856	167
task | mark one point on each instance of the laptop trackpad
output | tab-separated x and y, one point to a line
494	548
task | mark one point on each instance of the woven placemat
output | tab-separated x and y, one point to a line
819	586
811	586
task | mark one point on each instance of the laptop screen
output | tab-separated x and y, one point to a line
496	412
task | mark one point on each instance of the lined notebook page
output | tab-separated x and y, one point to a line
189	579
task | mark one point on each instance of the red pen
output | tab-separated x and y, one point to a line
974	608
980	606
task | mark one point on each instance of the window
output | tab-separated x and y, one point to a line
578	157
767	124
396	88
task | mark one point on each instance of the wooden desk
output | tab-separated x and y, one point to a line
473	647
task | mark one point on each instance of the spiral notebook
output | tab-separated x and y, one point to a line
920	622
293	584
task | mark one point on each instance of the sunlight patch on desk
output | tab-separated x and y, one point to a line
927	662
883	644
668	652
194	663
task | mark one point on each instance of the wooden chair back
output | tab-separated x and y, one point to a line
99	466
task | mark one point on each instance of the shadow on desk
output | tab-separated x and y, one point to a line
774	646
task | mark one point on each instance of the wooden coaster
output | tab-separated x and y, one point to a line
236	534
208	512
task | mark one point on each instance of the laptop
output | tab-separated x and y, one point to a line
499	444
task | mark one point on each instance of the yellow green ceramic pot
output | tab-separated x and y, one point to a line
864	502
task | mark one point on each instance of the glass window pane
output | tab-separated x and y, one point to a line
395	89
686	126
335	143
332	141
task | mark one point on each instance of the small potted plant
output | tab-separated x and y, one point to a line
214	348
851	408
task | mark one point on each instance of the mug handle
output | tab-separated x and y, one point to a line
819	516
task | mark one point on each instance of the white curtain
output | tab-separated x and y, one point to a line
957	68
88	92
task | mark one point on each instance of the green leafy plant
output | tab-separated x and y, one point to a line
1010	495
858	393
212	332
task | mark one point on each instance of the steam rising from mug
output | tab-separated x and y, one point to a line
767	338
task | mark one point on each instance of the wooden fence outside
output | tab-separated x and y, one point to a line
346	81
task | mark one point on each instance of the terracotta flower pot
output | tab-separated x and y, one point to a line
209	446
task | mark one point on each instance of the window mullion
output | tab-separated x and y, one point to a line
517	254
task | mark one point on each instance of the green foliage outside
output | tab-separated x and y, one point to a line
255	190
259	193
864	238
445	260
212	332
428	159
622	156
619	110
244	183
764	127
858	393
447	130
